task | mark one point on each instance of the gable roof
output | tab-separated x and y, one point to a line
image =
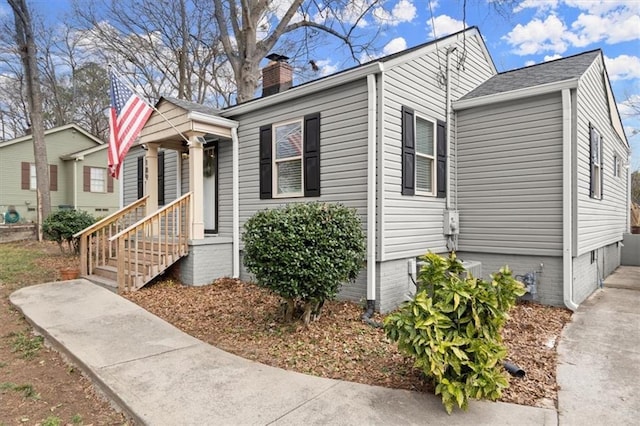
360	71
190	106
571	67
71	126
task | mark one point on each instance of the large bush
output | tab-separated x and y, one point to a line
452	329
304	252
60	227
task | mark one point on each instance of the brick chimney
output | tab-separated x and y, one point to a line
277	76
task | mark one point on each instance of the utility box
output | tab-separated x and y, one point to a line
451	222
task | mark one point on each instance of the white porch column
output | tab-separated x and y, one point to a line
196	186
151	177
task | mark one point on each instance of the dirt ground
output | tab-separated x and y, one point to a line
243	319
37	386
240	318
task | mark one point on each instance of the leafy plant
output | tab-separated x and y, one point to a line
52	421
60	227
452	329
304	252
27	390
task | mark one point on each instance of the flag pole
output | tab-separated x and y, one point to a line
133	89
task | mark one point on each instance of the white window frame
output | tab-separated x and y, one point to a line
433	157
595	167
103	180
616	165
275	161
33	181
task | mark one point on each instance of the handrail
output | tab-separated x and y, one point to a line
146	248
95	249
112	217
149	217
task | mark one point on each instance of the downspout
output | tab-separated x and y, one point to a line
567	226
235	201
447	118
371	195
75	183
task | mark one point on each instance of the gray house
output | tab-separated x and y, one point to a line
399	139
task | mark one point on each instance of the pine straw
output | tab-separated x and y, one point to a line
243	319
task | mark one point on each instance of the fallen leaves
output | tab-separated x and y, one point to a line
246	320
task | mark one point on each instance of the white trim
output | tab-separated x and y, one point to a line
305	89
52	131
371	186
235	185
275	161
433	157
211	119
567	202
541	89
380	141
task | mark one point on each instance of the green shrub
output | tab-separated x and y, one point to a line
452	329
60	227
304	252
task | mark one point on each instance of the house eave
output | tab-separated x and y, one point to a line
542	89
212	119
306	89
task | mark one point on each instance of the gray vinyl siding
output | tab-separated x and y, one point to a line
129	173
225	194
510	177
343	147
599	222
170	175
411	225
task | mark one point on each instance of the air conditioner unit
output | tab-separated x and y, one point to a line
474	267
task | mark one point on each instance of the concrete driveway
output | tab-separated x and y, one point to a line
599	356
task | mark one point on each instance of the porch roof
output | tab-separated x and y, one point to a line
174	120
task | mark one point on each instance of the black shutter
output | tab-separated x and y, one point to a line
266	184
311	156
601	167
408	152
441	177
161	178
140	177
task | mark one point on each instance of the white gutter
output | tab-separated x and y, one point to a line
211	119
305	89
567	201
447	117
371	186
235	201
516	94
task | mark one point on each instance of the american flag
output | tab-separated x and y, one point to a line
128	115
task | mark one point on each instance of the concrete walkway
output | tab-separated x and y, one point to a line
599	356
161	376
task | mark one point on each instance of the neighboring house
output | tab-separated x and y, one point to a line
77	172
378	138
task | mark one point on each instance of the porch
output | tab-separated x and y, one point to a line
131	247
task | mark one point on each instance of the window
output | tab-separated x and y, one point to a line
287	164
98	179
32	177
290	158
425	155
616	165
595	183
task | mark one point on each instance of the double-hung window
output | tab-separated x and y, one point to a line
290	158
287	162
425	156
596	163
32	177
98	179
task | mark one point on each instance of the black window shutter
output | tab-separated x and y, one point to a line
161	178
140	177
265	163
408	152
441	177
311	156
592	169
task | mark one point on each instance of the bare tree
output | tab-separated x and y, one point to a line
250	30
27	47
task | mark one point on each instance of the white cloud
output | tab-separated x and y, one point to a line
529	63
548	58
623	67
538	36
608	21
326	67
625	108
403	11
395	45
444	25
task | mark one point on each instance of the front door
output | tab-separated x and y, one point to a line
210	172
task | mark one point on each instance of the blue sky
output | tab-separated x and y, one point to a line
533	32
537	31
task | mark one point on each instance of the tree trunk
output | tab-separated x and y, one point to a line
27	46
247	80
